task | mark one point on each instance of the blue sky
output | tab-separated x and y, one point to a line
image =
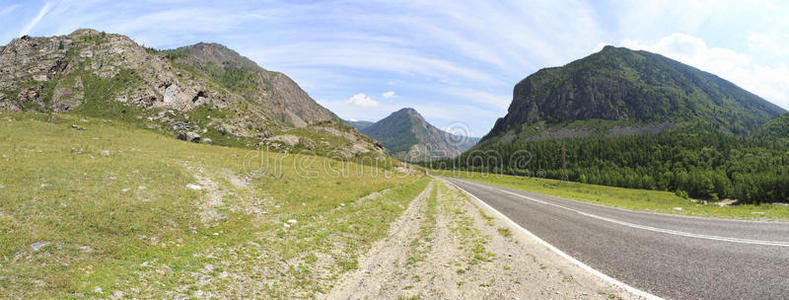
454	61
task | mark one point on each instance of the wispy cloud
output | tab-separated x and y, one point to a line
481	97
389	94
8	9
41	13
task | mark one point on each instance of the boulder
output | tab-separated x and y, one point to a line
189	137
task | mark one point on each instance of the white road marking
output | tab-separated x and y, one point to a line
632	290
644	227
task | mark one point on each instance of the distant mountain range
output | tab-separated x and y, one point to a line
407	136
359	125
205	90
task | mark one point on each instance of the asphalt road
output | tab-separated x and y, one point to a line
668	256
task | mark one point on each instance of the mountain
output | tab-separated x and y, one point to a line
203	90
639	120
618	91
359	125
407	136
774	131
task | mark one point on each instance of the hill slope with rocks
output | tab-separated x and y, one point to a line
203	90
618	91
407	136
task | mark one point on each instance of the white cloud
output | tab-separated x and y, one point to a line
362	100
41	13
770	82
766	44
389	94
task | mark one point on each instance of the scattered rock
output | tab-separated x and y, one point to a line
105	153
98	290
292	221
38	245
758	213
189	136
727	202
2	186
125	190
290	140
52	119
206	141
194	187
677	208
77	127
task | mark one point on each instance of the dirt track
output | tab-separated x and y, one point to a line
446	247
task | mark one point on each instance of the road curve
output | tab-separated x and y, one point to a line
668	256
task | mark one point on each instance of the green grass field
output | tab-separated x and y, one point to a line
635	199
108	211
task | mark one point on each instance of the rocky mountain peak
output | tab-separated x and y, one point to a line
635	90
408	136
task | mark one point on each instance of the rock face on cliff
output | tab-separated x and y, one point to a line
621	91
205	88
407	136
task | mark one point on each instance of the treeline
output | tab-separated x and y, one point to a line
703	166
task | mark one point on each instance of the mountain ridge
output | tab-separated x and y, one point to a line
204	89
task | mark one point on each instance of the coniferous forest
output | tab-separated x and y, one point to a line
710	166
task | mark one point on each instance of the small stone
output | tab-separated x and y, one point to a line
125	190
38	245
757	213
206	141
2	186
303	204
194	187
677	208
98	290
342	204
286	225
216	233
105	153
292	221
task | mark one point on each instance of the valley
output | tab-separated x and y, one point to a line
193	172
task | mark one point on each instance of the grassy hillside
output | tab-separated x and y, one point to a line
635	199
117	210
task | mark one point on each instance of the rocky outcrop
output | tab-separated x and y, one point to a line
204	88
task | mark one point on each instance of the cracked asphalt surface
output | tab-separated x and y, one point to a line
668	256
